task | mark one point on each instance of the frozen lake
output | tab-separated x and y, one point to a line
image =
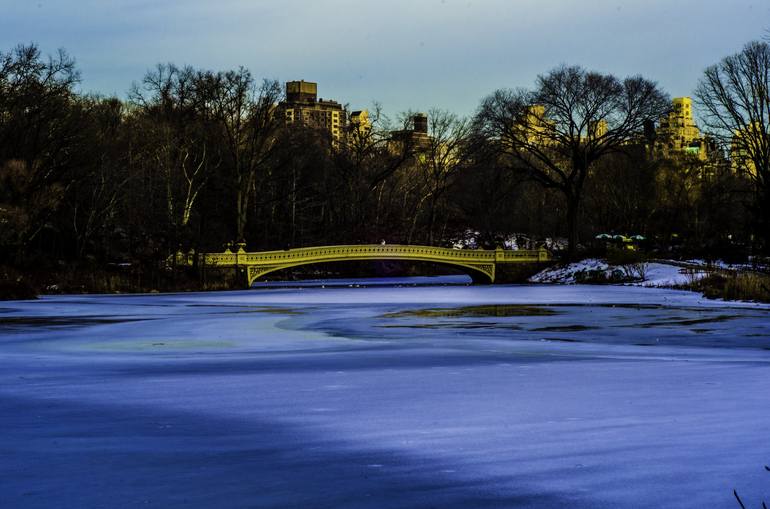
385	397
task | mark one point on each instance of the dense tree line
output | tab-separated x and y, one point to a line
195	159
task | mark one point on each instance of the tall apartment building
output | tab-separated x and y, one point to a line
540	130
677	132
535	125
739	155
415	136
303	107
360	124
597	128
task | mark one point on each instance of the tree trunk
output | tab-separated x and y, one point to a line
764	217
573	209
241	211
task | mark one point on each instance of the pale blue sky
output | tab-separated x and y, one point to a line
406	54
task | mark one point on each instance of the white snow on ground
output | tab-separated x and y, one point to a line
559	396
655	274
667	275
753	264
565	274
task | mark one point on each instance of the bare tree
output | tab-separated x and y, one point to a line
41	137
245	114
95	200
364	169
735	97
438	161
574	118
175	118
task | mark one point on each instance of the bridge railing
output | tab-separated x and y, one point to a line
385	251
223	259
541	255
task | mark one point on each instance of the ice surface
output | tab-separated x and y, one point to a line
428	396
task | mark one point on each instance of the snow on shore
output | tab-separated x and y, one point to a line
656	274
667	275
565	274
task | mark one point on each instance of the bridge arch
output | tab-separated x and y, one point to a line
479	275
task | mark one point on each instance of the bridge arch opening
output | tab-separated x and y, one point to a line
370	269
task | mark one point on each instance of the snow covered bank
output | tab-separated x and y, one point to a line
655	274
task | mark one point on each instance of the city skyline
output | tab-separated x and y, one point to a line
444	54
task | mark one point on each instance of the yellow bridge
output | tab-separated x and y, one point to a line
480	264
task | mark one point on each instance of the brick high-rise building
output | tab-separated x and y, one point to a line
677	132
740	161
303	107
415	136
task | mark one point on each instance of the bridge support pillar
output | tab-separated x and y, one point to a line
484	273
480	279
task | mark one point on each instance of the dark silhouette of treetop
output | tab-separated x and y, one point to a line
569	121
735	98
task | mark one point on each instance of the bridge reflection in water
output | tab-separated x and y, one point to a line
480	264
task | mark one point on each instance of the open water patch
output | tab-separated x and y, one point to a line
490	310
565	328
23	323
454	325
